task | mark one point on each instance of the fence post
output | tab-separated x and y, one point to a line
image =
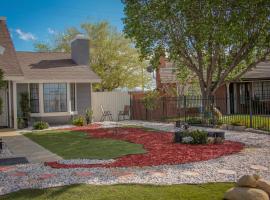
212	103
163	108
185	108
250	112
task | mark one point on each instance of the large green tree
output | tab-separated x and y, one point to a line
216	40
112	56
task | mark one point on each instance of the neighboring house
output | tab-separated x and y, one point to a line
255	84
58	84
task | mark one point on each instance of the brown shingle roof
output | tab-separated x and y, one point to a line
261	71
53	66
8	61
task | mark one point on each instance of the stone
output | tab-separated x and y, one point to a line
264	185
226	171
83	174
258	167
243	193
247	181
46	176
190	173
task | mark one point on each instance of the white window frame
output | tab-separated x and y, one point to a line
51	114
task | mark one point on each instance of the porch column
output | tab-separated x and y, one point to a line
228	98
68	98
9	105
41	102
15	105
235	98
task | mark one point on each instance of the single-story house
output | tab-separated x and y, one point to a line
254	85
59	85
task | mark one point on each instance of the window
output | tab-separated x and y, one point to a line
72	96
34	98
55	97
261	90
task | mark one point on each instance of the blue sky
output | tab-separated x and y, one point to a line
30	21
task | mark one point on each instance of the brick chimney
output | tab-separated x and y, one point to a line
80	50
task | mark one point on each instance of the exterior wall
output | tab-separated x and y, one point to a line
111	101
4	116
55	120
83	97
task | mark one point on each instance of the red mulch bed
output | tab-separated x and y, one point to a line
159	146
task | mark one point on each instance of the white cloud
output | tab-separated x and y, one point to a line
25	36
51	31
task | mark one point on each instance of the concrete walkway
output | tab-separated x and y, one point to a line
21	146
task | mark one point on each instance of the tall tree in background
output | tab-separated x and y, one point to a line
218	41
112	56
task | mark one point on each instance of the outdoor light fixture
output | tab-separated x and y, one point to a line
2	50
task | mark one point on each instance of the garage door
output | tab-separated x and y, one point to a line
4	115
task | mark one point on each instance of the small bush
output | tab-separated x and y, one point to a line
194	120
78	121
40	125
199	137
237	123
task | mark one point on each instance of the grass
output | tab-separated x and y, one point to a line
123	192
258	122
74	145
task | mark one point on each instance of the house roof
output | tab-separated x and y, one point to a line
8	60
261	71
54	66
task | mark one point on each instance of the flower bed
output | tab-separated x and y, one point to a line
161	150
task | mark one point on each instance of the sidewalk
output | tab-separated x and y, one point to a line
21	146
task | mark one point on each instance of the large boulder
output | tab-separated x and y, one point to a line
264	185
247	181
244	193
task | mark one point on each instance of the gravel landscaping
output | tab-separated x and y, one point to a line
255	158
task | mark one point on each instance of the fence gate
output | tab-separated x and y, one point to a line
111	101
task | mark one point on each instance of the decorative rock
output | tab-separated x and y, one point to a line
190	173
6	168
247	181
227	172
239	193
258	167
83	174
46	176
264	185
19	174
242	193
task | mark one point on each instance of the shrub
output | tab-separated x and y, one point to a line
194	120
78	121
40	125
237	123
199	137
151	100
88	116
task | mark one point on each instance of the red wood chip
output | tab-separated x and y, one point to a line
161	150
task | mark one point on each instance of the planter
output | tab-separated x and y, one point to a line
178	136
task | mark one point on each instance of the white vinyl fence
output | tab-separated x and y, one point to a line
111	101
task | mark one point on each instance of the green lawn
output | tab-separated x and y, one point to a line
73	145
258	122
125	192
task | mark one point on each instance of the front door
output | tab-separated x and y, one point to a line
4	115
